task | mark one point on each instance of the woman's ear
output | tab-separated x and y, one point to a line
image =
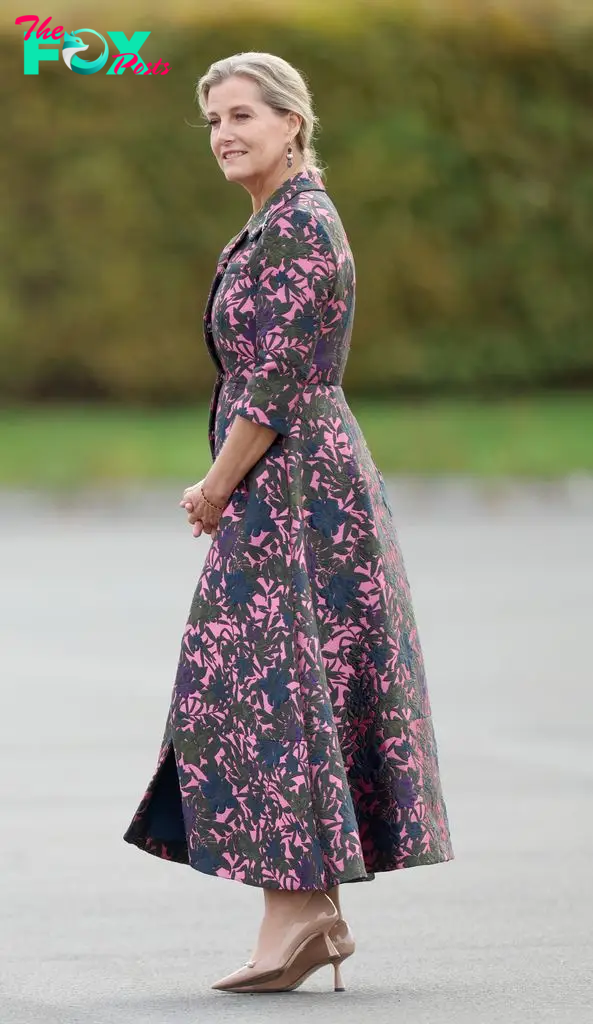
295	121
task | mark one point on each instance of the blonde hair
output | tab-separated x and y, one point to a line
281	86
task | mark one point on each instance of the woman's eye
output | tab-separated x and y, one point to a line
212	123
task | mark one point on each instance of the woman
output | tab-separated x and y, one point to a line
299	750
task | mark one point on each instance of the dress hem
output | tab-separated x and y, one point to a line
177	853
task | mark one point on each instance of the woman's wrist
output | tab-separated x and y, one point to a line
216	492
244	445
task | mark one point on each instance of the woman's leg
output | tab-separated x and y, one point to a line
334	895
280	906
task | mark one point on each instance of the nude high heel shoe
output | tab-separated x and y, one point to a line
315	955
305	948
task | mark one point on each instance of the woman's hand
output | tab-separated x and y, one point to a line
201	515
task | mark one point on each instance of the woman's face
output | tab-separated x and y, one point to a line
241	121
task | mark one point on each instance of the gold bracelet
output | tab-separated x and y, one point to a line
212	505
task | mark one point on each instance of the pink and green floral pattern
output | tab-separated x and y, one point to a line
299	749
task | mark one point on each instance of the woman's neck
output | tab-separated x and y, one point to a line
262	197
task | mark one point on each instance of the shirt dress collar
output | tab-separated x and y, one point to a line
302	181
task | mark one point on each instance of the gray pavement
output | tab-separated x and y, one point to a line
94	593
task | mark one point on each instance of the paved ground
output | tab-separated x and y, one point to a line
93	598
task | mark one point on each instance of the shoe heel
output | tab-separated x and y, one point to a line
335	960
338	981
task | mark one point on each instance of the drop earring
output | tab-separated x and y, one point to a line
289	157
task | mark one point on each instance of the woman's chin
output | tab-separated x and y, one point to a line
235	170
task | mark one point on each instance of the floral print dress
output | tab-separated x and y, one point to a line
299	749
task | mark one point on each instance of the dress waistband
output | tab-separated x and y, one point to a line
227	378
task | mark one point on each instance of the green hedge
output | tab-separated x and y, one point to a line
459	158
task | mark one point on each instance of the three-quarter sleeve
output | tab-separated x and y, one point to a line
295	281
